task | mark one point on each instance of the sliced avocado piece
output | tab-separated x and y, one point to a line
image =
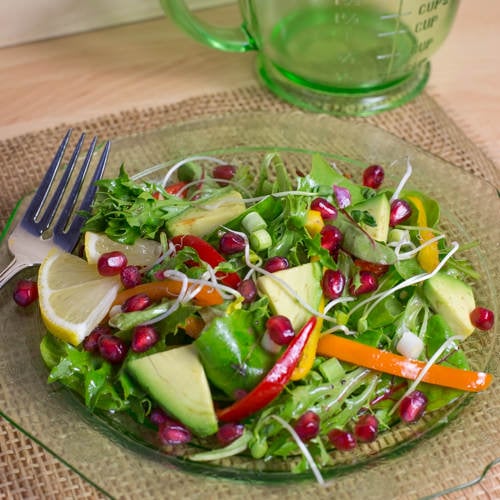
304	280
453	300
176	380
207	215
380	209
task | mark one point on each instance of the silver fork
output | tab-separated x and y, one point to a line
27	242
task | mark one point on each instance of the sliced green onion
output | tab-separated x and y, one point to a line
260	240
253	222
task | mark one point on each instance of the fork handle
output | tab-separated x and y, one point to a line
11	270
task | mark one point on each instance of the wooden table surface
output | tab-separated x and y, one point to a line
153	63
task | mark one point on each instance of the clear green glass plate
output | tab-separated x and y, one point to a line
123	459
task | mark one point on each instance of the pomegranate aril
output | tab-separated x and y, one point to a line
158	416
171	432
366	428
143	338
130	276
91	341
227	433
333	284
137	302
331	238
224	173
280	329
112	349
307	426
25	292
367	283
373	176
325	208
111	263
274	264
400	211
413	406
248	290
232	243
482	318
342	195
342	440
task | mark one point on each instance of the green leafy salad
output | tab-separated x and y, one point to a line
280	316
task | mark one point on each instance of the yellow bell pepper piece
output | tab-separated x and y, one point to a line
309	353
428	257
314	222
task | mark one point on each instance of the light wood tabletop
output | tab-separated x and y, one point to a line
151	63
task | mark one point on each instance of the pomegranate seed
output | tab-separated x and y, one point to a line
366	428
367	283
342	440
172	432
342	195
91	341
232	243
248	290
130	276
227	433
158	416
280	329
331	238
325	208
333	283
137	302
112	349
307	426
25	293
239	394
157	195
224	173
373	176
400	211
412	407
111	263
144	337
276	264
482	318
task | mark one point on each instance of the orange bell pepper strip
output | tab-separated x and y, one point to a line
387	362
428	257
309	354
157	290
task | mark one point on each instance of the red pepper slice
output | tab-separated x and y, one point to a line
273	383
207	253
175	188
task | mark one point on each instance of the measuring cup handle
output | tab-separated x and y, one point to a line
228	39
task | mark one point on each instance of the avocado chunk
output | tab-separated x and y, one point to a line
177	381
206	216
380	209
304	280
453	300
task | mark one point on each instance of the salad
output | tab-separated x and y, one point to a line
270	315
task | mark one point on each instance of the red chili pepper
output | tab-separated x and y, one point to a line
273	383
207	253
175	188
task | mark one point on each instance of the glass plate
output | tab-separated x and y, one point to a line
123	460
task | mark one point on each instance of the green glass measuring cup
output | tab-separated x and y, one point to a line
344	57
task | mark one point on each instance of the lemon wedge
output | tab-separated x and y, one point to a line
74	298
142	253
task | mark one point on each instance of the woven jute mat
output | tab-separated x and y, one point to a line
27	470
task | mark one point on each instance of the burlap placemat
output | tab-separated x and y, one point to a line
26	469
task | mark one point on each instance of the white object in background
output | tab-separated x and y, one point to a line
23	21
